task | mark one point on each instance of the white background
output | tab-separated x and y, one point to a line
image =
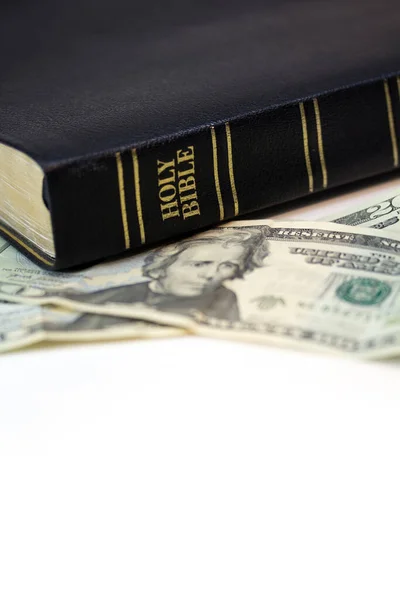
194	468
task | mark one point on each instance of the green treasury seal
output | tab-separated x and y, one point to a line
364	291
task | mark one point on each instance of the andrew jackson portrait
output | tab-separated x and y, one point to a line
186	276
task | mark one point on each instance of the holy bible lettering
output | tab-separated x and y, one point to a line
177	186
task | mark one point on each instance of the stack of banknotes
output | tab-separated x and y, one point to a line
331	284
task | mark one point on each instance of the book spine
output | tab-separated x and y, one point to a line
142	196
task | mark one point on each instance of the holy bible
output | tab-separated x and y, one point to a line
129	123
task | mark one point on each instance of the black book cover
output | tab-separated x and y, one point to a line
152	120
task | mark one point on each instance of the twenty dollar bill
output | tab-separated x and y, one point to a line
383	214
309	285
22	325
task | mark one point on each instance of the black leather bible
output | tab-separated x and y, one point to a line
127	123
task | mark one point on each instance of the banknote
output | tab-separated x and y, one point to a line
324	286
379	215
376	206
23	325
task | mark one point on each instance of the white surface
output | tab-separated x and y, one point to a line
192	468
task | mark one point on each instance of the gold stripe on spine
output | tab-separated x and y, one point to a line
230	167
216	174
137	195
320	144
306	149
35	254
392	129
120	170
